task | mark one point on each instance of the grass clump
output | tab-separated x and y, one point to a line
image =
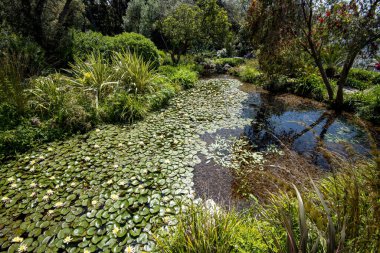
208	228
248	72
182	75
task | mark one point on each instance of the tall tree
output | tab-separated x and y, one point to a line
106	16
316	25
183	28
45	21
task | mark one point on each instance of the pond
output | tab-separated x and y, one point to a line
110	189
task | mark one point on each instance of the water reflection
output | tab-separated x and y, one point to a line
304	129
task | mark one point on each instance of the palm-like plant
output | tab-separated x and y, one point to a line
136	75
94	75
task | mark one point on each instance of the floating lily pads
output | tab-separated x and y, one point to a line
104	190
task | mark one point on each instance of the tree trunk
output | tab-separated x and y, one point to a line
343	79
322	71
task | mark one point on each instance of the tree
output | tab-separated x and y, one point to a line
106	16
45	21
183	28
317	26
141	15
215	24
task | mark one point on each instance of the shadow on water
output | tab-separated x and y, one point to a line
306	130
297	124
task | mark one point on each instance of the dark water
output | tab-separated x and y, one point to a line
299	126
304	129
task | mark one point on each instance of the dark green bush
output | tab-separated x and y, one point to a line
311	86
357	84
124	108
182	75
85	43
9	116
362	75
26	136
365	103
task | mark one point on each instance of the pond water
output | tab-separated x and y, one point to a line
288	122
111	188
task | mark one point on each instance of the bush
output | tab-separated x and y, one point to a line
311	86
357	84
362	79
365	103
85	43
20	59
54	98
124	107
182	75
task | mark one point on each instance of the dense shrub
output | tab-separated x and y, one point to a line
357	84
123	107
311	86
20	58
362	79
85	43
365	103
182	75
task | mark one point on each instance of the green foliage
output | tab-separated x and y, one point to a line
183	28
124	107
90	42
310	86
202	229
133	73
94	74
215	25
54	98
181	75
20	58
365	103
362	79
357	84
248	72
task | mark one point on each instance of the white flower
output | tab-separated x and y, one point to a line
22	248
115	230
73	184
5	199
58	204
32	162
87	158
50	192
33	184
46	198
116	166
97	130
96	146
17	239
109	181
52	177
33	194
67	239
50	212
120	145
11	179
114	197
94	202
50	149
129	249
86	251
33	169
14	185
